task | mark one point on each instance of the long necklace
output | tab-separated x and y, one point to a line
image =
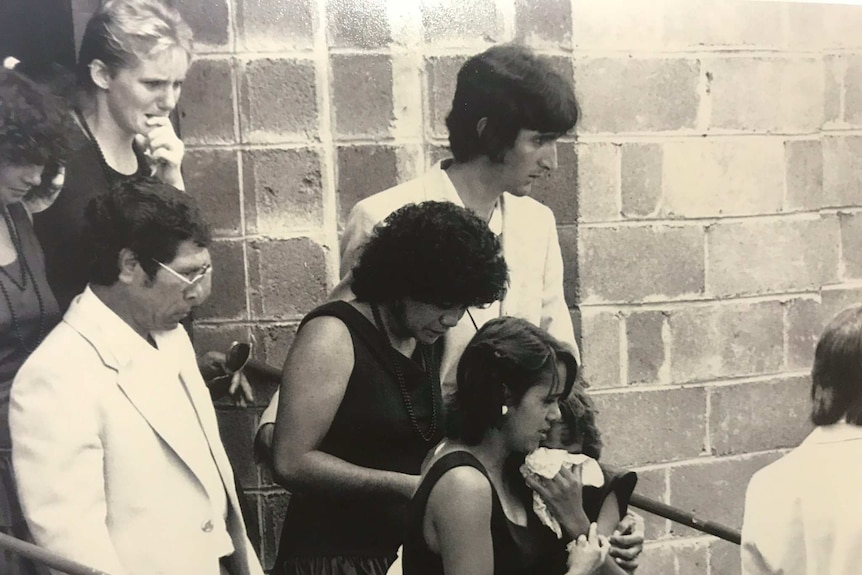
432	377
25	272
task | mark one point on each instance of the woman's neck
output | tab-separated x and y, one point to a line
475	183
399	337
115	143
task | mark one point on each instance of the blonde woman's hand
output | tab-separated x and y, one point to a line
587	552
164	149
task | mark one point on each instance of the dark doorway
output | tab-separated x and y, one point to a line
37	31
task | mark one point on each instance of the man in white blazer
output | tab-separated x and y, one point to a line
509	109
802	511
116	447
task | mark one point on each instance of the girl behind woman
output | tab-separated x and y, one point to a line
472	512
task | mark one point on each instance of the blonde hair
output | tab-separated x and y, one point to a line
122	32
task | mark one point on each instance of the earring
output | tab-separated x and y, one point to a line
505	409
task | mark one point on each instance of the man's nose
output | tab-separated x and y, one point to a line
549	159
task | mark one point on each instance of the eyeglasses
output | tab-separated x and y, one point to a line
189	281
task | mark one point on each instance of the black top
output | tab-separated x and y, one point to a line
518	550
60	227
371	429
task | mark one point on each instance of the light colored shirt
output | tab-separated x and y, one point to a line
802	512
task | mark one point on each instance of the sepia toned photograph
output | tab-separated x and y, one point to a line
430	287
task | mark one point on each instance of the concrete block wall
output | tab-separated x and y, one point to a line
709	205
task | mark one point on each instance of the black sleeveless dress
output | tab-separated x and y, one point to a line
326	534
518	550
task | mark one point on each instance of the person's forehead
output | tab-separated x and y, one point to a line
190	254
168	62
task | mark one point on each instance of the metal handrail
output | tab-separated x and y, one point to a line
688	519
49	558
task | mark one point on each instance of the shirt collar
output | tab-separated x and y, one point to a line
836	432
450	194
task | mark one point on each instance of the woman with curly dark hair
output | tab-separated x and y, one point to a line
33	129
360	401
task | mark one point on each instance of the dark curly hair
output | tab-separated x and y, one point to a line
507	355
836	378
579	414
35	125
148	217
515	90
433	252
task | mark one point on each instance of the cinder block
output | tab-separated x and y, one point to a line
658	560
273	25
278	101
766	94
227	299
851	244
442	74
205	110
853	90
598	180
726	340
724	558
719	24
211	177
841	24
363	171
657	426
544	22
842	162
208	20
288	278
693	558
274	341
435	154
714	490
283	190
806	28
274	508
659	95
641	179
652	483
558	190
804	324
455	22
616	25
237	428
568	236
751	257
834	72
358	24
833	300
751	417
726	176
804	174
362	94
645	346
633	263
600	351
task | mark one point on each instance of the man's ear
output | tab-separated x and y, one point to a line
128	263
480	126
100	74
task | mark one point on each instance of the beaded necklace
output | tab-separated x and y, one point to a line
25	272
432	377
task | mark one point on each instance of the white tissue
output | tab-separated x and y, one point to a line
547	463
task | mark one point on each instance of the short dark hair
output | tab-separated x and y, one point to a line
836	378
144	215
434	252
579	414
514	89
35	125
508	354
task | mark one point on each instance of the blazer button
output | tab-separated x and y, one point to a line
207	526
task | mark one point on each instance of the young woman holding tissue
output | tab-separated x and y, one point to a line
473	512
576	432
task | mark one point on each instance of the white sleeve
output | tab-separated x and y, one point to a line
58	460
556	318
357	231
